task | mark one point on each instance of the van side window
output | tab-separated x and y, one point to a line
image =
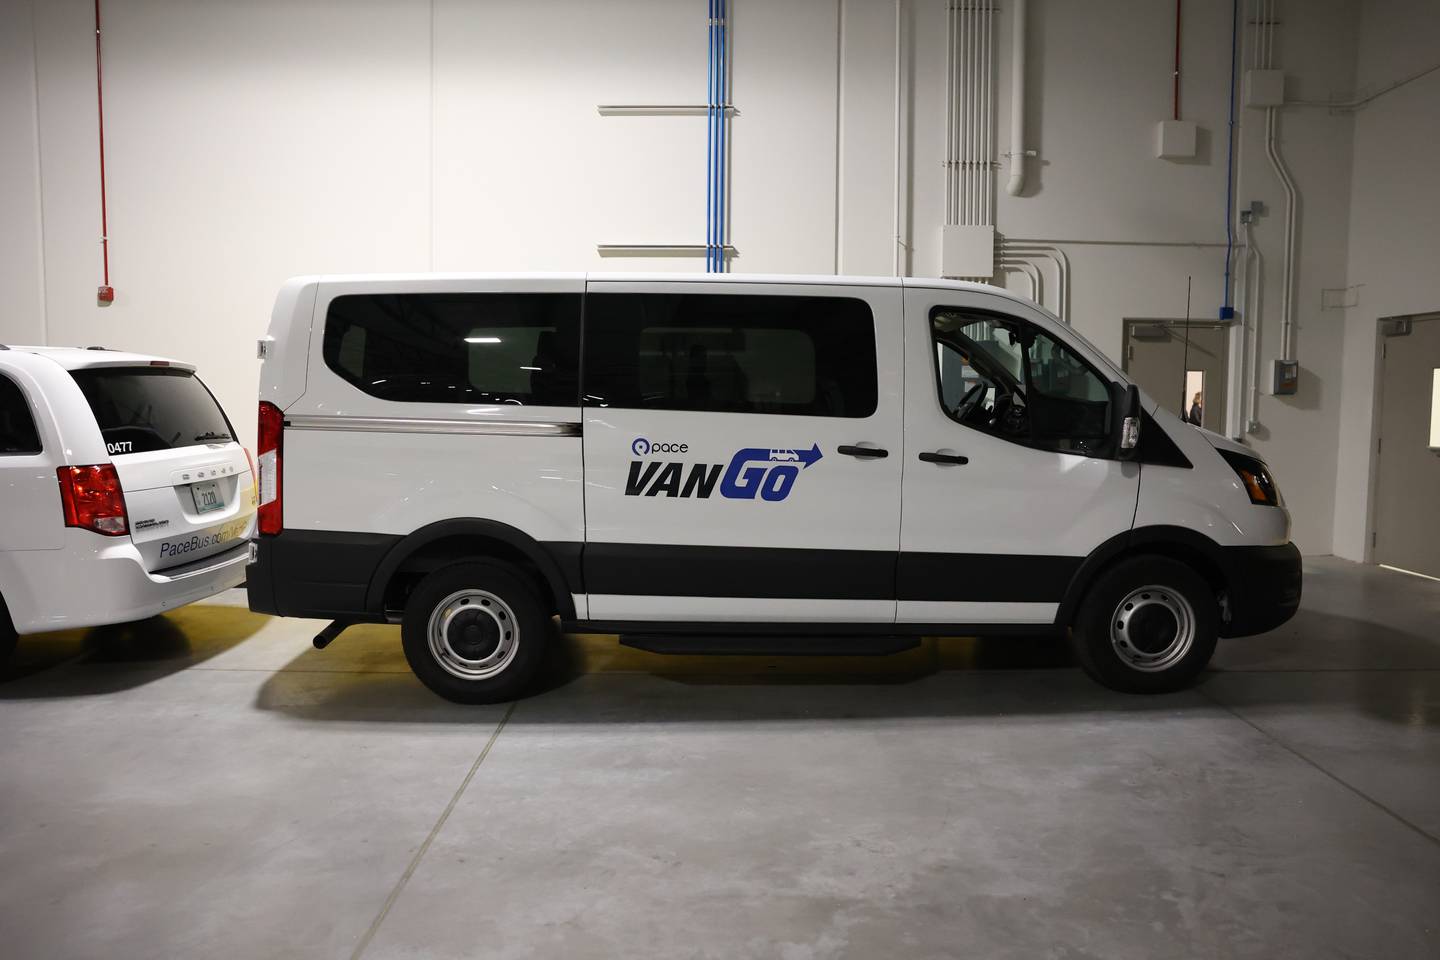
513	348
18	436
1013	380
733	353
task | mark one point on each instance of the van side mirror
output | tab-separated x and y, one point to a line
1127	440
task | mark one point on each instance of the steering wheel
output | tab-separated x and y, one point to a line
968	402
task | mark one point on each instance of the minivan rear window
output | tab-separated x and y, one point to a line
143	409
731	353
511	348
18	435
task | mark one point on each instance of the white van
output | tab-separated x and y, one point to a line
740	463
123	491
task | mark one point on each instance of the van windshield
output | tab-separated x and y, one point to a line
142	409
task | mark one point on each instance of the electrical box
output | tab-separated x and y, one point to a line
967	250
1284	378
1176	139
1264	88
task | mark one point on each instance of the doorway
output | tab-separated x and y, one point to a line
1407	481
1185	366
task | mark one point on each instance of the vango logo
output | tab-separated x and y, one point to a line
753	472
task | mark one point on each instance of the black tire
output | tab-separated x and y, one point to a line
8	636
500	606
1146	601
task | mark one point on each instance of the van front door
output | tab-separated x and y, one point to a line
742	451
1010	475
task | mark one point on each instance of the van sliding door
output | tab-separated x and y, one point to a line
741	447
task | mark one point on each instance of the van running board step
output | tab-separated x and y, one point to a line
712	644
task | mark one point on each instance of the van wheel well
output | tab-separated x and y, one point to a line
447	550
1196	560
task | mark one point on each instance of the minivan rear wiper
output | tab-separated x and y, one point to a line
213	437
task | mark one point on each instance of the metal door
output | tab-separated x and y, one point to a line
1407	518
1171	370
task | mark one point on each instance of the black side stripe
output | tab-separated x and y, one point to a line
995	577
767	572
780	572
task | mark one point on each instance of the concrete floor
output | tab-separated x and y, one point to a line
207	784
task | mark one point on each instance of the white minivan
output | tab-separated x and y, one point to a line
123	492
740	463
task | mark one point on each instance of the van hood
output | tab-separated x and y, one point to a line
1221	442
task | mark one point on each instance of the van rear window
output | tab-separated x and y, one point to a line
513	348
142	409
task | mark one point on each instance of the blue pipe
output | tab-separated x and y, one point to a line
1227	311
710	139
721	85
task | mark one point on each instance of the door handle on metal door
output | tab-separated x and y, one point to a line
872	452
930	456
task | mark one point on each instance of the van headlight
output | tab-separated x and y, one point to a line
1254	477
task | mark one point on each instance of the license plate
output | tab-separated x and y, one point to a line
207	496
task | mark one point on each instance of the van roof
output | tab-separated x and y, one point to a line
381	279
80	358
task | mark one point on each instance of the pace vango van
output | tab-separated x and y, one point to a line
740	463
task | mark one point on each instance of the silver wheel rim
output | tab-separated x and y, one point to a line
473	634
1152	629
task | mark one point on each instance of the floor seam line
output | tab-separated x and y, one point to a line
1316	766
374	928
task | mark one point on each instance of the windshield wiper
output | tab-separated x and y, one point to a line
213	437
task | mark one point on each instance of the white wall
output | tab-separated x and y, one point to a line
1394	238
250	142
21	271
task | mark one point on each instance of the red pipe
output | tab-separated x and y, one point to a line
1177	56
100	109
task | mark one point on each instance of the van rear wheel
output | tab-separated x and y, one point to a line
475	632
1148	625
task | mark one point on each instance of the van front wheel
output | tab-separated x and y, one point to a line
1148	625
8	637
475	632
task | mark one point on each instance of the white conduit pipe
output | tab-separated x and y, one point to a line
967	91
987	183
1265	47
1031	248
1254	287
896	264
1017	102
1027	268
949	163
972	124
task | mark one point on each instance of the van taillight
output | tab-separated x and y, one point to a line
92	499
271	432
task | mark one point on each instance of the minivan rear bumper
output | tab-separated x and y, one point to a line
1265	586
99	582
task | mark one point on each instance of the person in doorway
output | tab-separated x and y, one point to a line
1197	411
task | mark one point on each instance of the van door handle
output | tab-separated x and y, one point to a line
930	456
872	452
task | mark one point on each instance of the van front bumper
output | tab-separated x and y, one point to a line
1265	585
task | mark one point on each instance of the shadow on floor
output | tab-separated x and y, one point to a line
1001	675
364	677
69	663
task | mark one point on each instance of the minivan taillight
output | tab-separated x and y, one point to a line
92	499
271	433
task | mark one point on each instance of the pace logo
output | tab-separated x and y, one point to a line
765	473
